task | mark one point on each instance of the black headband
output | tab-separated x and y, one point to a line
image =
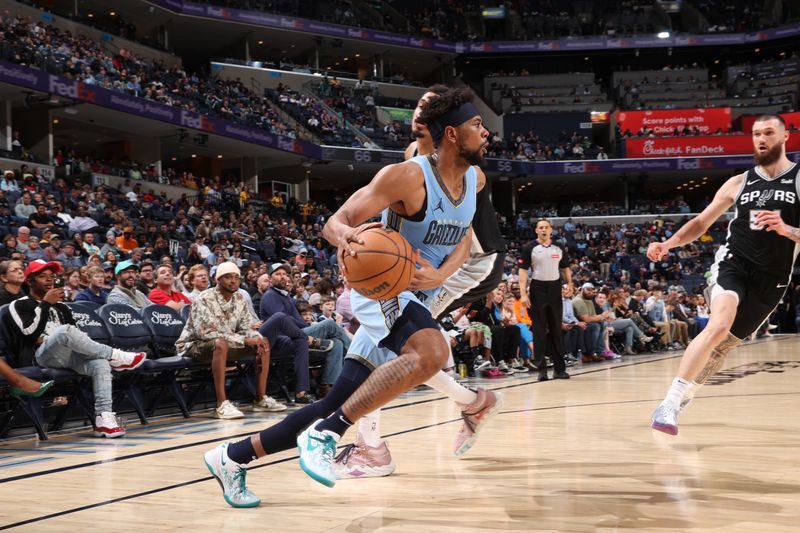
454	117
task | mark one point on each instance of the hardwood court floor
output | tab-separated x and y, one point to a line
572	455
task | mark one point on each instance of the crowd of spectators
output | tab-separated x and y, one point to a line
736	16
78	57
308	111
531	147
547	19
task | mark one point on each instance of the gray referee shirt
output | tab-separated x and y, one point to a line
546	261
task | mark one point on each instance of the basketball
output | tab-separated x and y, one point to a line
383	265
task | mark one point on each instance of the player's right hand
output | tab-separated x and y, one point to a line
352	235
657	251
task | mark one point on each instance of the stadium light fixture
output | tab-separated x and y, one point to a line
663	35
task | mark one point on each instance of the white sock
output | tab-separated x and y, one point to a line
369	427
450	388
677	391
691	390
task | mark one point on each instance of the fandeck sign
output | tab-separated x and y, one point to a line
697	146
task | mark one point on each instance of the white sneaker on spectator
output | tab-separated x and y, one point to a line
480	363
268	404
227	411
108	425
121	360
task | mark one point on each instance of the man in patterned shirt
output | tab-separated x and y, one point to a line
221	329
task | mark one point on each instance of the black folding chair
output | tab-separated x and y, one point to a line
166	325
128	332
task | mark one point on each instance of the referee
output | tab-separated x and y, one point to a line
546	259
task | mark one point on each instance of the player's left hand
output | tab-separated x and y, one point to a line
426	276
772	221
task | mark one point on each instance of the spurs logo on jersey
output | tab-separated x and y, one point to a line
766	249
762	197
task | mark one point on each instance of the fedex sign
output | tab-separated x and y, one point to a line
195	121
71	89
581	168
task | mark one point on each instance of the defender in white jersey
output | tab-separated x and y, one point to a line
369	455
753	267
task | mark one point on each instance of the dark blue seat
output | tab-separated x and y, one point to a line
88	321
166	325
83	304
126	327
128	332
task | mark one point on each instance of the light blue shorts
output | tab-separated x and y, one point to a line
377	318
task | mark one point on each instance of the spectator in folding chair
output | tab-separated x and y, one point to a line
12	277
125	291
262	284
146	281
95	292
44	329
221	329
164	292
325	336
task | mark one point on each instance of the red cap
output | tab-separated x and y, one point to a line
38	265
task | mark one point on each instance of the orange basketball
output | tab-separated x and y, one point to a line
383	265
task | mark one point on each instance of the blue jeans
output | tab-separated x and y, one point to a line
286	338
329	329
630	329
595	340
68	347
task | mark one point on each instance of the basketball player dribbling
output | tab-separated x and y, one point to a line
751	270
398	337
369	455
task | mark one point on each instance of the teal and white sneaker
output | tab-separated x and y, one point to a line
317	450
231	476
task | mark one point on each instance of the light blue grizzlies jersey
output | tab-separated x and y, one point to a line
442	223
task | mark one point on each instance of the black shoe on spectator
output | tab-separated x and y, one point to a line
304	400
543	375
321	345
560	375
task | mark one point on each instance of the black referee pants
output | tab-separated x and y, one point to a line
546	315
